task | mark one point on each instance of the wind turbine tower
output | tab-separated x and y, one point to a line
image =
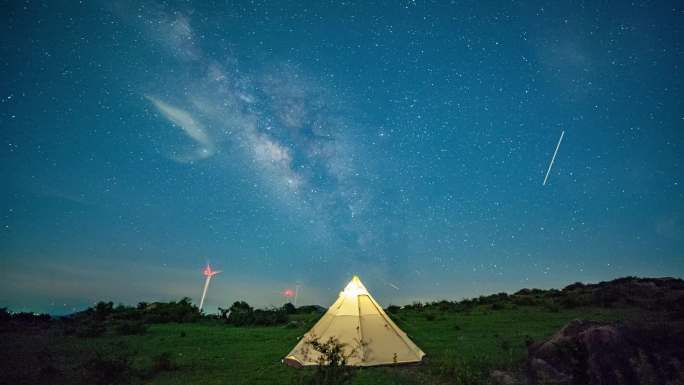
296	293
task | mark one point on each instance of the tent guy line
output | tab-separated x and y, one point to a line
553	158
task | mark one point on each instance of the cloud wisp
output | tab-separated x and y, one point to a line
190	127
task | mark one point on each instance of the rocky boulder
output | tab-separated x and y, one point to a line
595	353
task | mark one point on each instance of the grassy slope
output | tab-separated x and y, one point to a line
458	344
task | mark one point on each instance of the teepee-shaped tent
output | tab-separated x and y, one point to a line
358	322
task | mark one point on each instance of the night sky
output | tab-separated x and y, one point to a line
406	142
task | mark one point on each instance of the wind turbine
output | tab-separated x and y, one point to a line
297	285
208	272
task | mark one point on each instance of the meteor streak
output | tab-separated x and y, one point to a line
553	158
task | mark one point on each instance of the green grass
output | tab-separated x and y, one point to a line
461	347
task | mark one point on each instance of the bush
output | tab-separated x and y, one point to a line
4	315
307	309
269	317
464	372
430	316
127	328
102	370
165	312
90	329
551	307
393	309
163	363
524	300
528	341
239	314
289	308
332	366
102	310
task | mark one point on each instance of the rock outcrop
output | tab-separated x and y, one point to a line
595	353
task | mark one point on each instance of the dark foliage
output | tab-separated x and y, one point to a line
23	321
88	329
163	363
289	308
108	370
5	316
332	366
241	314
308	309
393	309
104	318
127	328
164	312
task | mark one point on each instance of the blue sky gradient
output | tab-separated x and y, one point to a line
406	142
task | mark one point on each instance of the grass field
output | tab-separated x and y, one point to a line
462	347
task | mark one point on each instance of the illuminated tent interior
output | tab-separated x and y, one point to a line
358	322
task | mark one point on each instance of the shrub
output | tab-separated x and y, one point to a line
524	300
163	363
289	308
528	341
417	305
332	366
430	316
90	329
101	310
49	374
309	309
239	314
269	317
464	372
551	307
165	312
393	309
127	328
4	315
102	370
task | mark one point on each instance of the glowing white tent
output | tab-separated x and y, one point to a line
357	321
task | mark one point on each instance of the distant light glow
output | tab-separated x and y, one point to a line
288	293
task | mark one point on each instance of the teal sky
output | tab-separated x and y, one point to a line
304	142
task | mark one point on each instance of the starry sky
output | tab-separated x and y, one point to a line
302	142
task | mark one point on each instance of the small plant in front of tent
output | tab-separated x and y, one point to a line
332	366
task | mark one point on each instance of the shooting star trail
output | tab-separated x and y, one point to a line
553	158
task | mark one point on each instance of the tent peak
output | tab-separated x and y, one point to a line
355	288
